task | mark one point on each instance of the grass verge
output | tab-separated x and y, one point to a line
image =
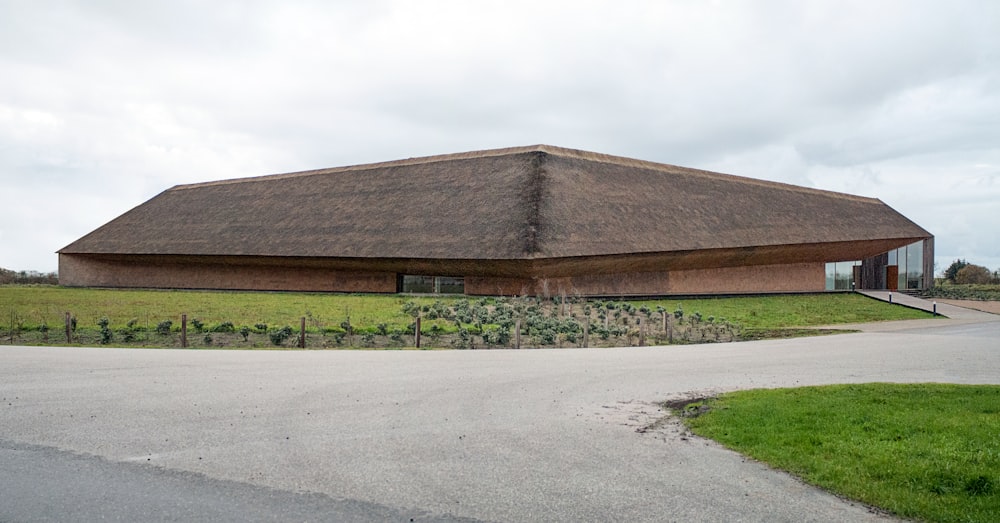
36	314
922	451
762	317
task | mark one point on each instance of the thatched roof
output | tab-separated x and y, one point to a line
525	203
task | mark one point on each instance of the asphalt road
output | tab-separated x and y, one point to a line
531	435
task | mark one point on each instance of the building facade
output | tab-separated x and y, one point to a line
528	220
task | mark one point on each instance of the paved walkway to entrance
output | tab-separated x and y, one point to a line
949	315
950	311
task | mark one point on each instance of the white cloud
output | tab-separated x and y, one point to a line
107	103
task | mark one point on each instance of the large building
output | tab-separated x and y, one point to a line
525	220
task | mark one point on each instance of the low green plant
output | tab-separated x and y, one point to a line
163	328
278	336
463	340
964	292
129	331
396	338
106	333
226	326
497	337
435	332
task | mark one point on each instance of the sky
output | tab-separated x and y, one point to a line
104	104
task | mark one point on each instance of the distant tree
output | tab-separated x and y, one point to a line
952	271
973	274
27	277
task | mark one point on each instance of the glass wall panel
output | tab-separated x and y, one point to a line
845	274
915	265
421	284
892	257
450	285
840	275
901	263
432	284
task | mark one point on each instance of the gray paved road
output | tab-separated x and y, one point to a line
527	435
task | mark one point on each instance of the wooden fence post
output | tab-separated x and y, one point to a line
302	332
517	333
69	330
416	332
586	332
184	331
642	332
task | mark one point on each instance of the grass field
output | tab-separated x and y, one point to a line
40	304
794	311
925	451
31	308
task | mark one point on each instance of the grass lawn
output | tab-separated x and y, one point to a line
40	308
925	451
35	305
769	313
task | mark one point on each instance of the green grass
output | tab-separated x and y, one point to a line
28	308
35	305
793	311
925	451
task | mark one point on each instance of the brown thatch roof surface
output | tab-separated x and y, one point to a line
508	204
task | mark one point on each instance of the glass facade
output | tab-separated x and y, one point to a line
914	265
840	275
909	262
431	284
417	284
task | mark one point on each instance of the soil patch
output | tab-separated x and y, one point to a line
688	407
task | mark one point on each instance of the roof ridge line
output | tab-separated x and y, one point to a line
543	148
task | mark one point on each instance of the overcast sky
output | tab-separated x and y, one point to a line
104	104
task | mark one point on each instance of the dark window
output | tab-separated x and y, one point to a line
449	285
421	284
431	284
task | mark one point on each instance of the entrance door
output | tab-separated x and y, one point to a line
892	277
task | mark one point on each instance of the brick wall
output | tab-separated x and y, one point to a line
86	271
76	271
799	277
